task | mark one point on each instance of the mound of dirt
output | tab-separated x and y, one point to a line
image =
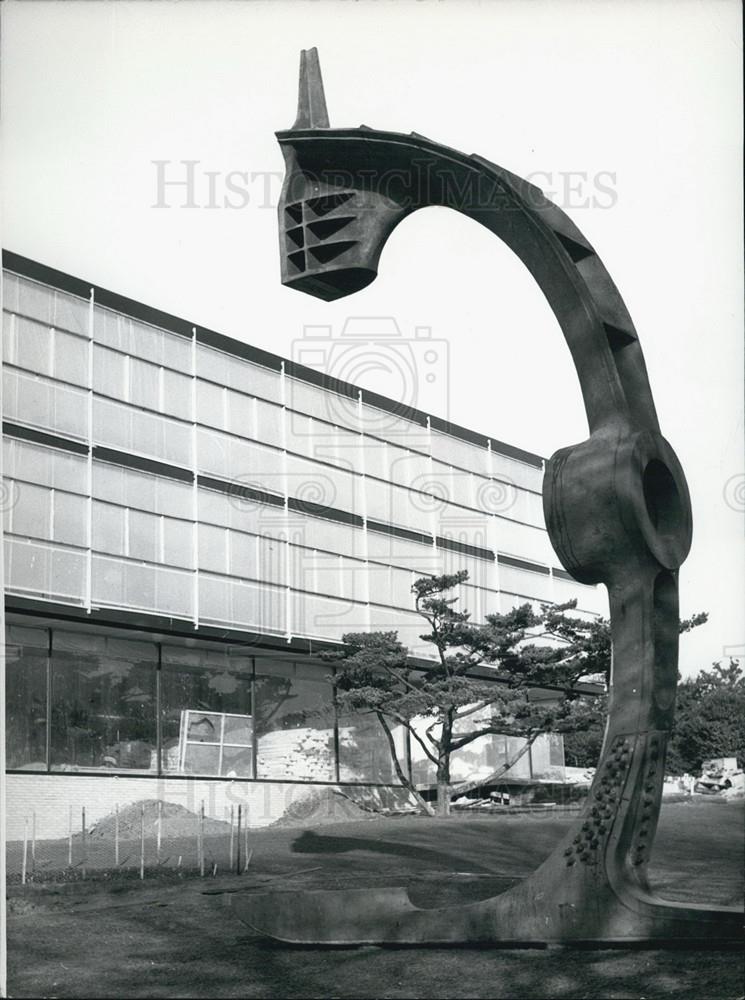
176	822
317	806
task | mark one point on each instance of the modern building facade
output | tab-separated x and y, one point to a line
188	521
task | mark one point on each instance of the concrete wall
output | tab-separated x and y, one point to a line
51	796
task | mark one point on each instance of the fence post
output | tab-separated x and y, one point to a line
69	839
238	845
230	850
246	849
201	839
160	823
142	841
25	850
85	853
33	841
116	835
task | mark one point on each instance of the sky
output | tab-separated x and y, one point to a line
138	153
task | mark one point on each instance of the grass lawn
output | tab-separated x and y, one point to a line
173	937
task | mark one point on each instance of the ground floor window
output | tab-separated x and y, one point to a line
95	701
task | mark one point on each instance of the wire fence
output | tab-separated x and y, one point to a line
142	841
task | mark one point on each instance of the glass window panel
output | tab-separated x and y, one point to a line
111	424
517	472
26	698
172	498
108	526
46	466
148	587
378	503
375	456
408	510
237	762
36	300
144	536
272	556
422	769
243	559
589	598
71	312
210	404
144	384
70	358
29	346
37	402
123	427
131	488
398	591
178	546
242	603
269	420
418	556
294	722
300	433
326	617
232	459
411	469
336	445
518	581
70	519
141	340
32	513
11	284
108	372
364	751
176	394
206	700
201	759
226	369
174	593
480	572
103	704
316	402
547	757
237	730
213	548
306	480
398	430
523	541
461	453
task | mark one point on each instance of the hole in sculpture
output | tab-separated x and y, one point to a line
327	203
296	236
662	498
327	227
295	212
324	252
297	260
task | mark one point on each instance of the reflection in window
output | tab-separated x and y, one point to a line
364	751
217	744
207	719
103	703
26	698
294	721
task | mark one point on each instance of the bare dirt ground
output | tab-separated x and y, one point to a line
172	936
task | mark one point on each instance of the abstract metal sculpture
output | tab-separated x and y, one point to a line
617	510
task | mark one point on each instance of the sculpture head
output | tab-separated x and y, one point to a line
333	216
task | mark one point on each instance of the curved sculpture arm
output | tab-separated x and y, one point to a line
617	511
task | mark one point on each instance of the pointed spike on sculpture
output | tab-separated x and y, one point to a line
311	101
